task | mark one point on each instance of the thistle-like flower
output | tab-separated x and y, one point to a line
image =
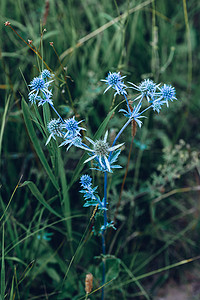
167	93
55	129
72	127
112	160
86	181
90	194
41	84
38	84
114	80
34	99
147	88
46	74
156	105
101	151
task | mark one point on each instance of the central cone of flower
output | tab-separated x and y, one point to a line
168	92
54	126
38	83
147	86
101	148
113	78
71	124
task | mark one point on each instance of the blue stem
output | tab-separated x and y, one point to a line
57	113
129	110
145	109
118	135
105	199
100	203
104	265
103	232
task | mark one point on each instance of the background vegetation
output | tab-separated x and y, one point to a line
158	211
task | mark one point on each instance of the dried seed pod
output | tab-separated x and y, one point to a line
88	283
133	122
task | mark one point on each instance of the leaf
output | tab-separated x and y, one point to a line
36	144
3	287
112	268
66	199
34	190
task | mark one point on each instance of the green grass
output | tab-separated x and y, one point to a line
158	216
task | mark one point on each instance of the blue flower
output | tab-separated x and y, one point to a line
46	74
41	84
38	84
55	129
114	80
167	93
101	151
86	181
156	105
147	88
72	127
33	99
92	199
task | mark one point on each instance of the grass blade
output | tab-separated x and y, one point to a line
34	190
3	123
3	286
36	144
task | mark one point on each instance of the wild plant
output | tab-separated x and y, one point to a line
103	156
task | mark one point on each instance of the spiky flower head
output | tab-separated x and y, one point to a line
156	105
34	99
86	181
167	93
101	150
147	88
46	74
37	84
72	127
135	114
114	80
55	129
71	124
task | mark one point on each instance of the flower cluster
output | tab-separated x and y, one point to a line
90	196
155	95
40	89
104	156
68	129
